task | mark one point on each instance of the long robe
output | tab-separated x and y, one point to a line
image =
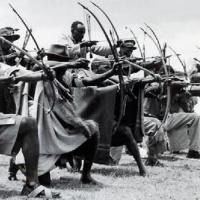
60	131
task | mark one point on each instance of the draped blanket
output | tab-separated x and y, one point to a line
101	104
61	130
98	103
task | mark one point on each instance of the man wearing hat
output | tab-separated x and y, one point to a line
20	132
124	135
7	53
16	131
126	48
7	56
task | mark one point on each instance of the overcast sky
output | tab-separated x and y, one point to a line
176	22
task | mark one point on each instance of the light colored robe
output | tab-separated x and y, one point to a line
73	51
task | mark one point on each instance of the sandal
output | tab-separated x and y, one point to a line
39	191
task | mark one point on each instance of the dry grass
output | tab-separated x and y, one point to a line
178	180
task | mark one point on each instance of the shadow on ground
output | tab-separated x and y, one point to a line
173	157
169	158
118	171
72	183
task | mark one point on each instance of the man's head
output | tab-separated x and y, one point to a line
9	34
127	47
78	31
170	70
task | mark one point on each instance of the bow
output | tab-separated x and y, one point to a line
137	42
108	19
112	25
89	31
158	46
182	64
27	28
26	39
40	53
24	104
22	51
197	60
116	58
123	97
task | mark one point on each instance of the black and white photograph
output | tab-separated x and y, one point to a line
99	99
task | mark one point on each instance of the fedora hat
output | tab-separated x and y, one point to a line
57	52
9	33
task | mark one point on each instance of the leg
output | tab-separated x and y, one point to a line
74	162
45	179
13	169
27	139
156	140
88	151
124	137
191	121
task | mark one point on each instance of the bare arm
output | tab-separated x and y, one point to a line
89	81
28	76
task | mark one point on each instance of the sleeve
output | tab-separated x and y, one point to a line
101	50
74	51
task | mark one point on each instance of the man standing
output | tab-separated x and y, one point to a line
76	47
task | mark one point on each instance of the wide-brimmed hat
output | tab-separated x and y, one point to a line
57	52
129	44
9	33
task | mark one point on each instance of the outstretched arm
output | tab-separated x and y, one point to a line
98	78
29	76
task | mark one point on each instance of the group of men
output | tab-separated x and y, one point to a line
46	139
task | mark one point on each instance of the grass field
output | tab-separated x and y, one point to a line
178	180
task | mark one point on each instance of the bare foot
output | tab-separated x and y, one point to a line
143	173
87	179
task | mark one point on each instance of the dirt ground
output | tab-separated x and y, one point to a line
178	180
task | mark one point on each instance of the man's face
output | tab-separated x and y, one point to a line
78	33
4	46
124	51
